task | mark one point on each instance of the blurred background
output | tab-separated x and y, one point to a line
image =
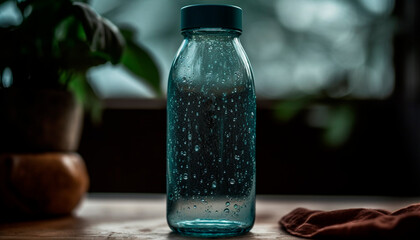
337	94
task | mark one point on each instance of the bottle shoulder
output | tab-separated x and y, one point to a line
210	60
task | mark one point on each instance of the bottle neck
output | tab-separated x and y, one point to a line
206	33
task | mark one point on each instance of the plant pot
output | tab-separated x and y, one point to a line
39	121
40	172
41	184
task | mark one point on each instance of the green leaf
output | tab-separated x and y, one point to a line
286	110
104	38
340	126
86	95
139	62
72	49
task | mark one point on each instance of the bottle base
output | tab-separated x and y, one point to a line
211	228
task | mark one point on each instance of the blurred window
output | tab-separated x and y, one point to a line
326	48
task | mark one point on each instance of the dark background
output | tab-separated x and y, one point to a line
378	155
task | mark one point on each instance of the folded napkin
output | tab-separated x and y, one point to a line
354	223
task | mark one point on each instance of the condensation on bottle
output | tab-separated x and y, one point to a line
211	110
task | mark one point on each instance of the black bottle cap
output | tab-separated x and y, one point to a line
211	16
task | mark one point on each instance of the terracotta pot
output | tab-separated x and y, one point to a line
39	121
41	184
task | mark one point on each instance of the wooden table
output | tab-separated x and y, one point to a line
142	216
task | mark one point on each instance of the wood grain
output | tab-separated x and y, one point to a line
142	216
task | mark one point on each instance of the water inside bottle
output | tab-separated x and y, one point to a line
211	159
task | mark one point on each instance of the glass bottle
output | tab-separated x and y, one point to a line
211	110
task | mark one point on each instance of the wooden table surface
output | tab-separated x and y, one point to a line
142	216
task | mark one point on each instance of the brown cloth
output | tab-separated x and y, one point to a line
357	223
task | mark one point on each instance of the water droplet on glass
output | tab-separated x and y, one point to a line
232	181
185	176
235	206
226	210
197	148
214	184
227	204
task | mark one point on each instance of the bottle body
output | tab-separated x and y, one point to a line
211	112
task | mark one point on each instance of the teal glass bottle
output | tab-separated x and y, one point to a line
211	110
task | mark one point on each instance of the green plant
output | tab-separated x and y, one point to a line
58	41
